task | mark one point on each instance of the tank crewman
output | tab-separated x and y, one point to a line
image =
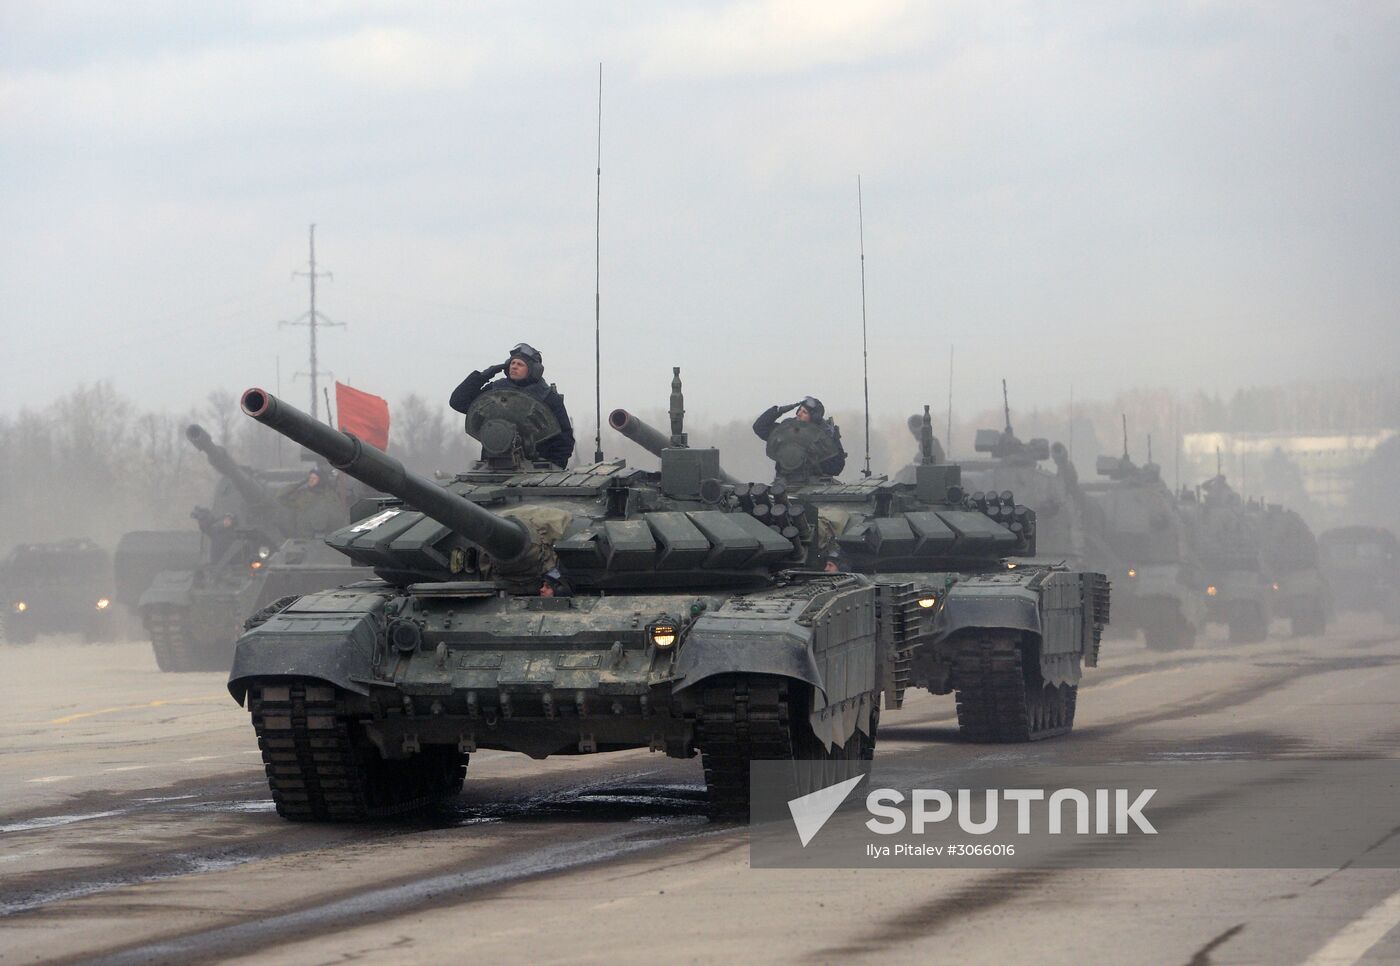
553	584
221	531
316	506
524	370
809	410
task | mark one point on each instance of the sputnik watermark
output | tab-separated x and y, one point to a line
915	811
930	806
1108	811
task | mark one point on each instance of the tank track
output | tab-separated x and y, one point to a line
171	638
318	772
742	719
1001	700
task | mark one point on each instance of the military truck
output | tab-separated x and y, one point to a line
57	588
1140	539
964	609
1228	540
1362	567
1289	556
691	626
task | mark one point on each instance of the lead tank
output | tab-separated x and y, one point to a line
692	629
963	608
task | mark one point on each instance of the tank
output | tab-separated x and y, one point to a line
685	625
964	608
1139	537
248	556
1009	463
1227	539
1288	555
57	588
1362	567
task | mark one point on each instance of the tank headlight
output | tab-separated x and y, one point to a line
264	553
21	607
1210	591
1277	587
1010	565
103	604
928	600
663	633
256	565
1132	571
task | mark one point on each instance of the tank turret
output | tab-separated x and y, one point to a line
1005	445
503	538
251	490
657	443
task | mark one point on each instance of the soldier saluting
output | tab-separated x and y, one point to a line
524	371
809	410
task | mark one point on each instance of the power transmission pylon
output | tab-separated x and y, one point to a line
313	320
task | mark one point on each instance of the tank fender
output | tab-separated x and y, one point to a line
829	645
966	608
339	647
171	587
716	646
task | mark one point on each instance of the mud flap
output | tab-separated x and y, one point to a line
338	648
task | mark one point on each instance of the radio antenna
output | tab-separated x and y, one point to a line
597	284
864	344
948	440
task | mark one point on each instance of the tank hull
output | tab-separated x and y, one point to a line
462	667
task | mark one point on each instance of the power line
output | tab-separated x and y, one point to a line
313	320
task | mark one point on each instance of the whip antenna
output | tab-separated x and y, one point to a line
864	345
949	439
597	285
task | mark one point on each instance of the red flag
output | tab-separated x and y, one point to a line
364	414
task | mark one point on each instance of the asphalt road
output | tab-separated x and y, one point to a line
135	826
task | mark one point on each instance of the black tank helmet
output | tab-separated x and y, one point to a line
532	358
814	406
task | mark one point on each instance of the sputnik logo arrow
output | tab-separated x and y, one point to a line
810	812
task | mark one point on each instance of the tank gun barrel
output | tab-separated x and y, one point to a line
646	436
504	539
249	488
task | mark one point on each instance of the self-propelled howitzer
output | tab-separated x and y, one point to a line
688	631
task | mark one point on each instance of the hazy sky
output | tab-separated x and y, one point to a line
1098	194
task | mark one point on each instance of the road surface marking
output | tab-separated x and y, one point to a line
46	779
159	703
106	771
1357	937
